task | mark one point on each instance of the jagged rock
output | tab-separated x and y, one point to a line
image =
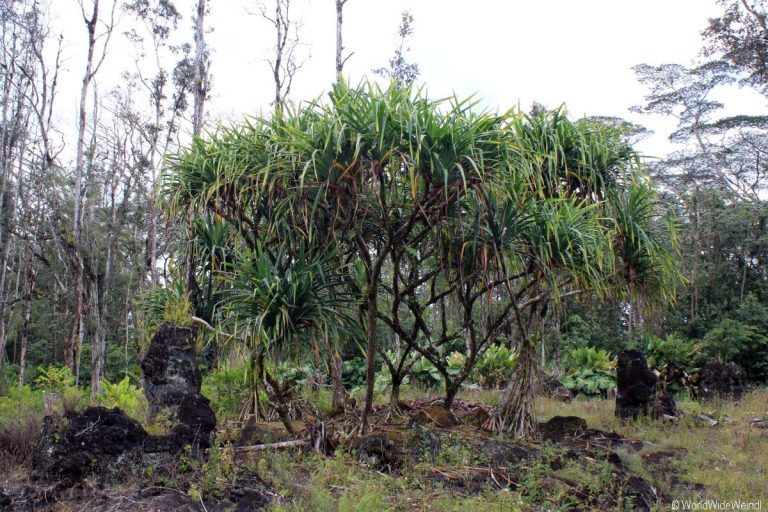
94	440
195	411
553	388
663	404
379	450
170	367
560	427
635	385
108	442
718	379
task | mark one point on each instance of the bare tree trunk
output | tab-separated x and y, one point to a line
30	282
340	59
339	396
200	87
75	342
516	413
102	290
283	65
370	353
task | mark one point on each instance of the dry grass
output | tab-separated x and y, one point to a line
18	438
730	460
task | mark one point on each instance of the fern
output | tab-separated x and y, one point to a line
124	396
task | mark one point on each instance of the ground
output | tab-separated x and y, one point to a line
413	466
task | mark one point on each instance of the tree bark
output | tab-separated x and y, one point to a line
394	393
200	88
339	395
340	59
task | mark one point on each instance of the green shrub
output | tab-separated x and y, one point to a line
733	341
20	400
675	351
589	371
124	395
589	357
676	358
227	391
353	372
425	373
55	379
589	382
495	367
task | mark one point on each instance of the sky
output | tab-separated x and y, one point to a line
506	53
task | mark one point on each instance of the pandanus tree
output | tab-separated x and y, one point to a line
367	173
275	300
426	203
596	226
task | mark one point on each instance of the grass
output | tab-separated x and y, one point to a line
725	462
730	460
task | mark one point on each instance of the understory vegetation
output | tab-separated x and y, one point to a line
393	301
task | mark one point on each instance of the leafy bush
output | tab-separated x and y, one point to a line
55	379
589	371
495	367
425	373
676	357
126	396
589	357
733	341
589	381
297	373
59	391
227	390
674	351
353	372
18	401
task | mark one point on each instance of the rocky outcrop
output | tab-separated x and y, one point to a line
552	387
96	440
718	379
635	385
170	367
108	442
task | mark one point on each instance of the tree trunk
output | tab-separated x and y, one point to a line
276	394
73	345
200	88
340	59
516	413
394	394
339	396
30	283
451	390
370	354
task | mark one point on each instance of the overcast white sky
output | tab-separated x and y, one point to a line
505	52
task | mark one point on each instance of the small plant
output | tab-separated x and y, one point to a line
353	372
125	396
589	382
495	367
226	390
589	371
178	311
55	379
589	357
425	373
677	358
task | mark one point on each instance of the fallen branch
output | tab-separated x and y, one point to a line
273	446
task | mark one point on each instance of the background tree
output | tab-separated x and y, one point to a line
400	71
